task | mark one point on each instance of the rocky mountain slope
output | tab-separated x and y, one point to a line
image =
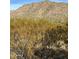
43	9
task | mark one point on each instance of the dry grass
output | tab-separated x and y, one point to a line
27	34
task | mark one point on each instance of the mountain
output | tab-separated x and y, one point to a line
42	10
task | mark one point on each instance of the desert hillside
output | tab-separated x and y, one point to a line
42	9
39	31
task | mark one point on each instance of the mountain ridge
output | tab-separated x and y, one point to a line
42	9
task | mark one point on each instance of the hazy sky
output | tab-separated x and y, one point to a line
14	4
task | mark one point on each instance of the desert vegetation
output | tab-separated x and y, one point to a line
31	35
39	38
